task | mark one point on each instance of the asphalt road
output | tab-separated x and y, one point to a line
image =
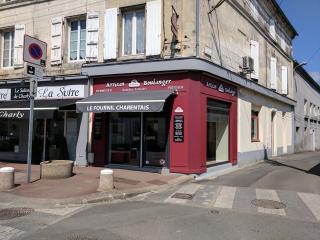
146	220
220	208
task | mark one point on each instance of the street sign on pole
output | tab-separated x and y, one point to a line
35	54
34	51
34	71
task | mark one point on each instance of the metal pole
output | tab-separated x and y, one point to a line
30	137
44	139
197	28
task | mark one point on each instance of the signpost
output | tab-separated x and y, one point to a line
35	54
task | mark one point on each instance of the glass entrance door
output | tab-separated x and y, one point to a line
218	115
125	138
131	133
155	139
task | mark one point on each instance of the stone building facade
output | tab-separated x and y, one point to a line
232	59
307	111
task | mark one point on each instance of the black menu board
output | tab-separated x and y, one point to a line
178	134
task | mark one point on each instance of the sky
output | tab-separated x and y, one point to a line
304	15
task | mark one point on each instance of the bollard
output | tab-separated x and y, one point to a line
6	178
106	180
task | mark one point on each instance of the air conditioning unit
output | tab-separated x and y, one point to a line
247	64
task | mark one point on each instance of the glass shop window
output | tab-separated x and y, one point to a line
9	136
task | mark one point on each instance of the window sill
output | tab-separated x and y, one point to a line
131	57
255	140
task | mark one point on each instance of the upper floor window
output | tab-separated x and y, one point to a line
8	48
133	40
77	45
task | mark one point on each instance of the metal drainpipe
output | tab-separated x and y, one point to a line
197	27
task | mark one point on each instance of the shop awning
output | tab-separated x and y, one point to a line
43	108
135	101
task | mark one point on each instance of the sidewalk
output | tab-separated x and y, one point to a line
82	187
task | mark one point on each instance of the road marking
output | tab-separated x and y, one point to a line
187	189
313	203
225	198
59	211
7	233
270	195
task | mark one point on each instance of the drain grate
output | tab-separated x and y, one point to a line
266	203
182	196
9	213
80	237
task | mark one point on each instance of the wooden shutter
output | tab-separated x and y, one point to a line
92	37
19	31
255	56
272	28
110	33
154	26
284	78
56	40
273	73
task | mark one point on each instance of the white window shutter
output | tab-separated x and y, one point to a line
19	31
56	40
153	31
284	78
110	33
273	74
272	28
255	56
92	37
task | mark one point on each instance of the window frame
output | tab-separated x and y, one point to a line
78	39
134	32
11	52
255	117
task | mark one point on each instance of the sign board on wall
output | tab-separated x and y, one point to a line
50	92
178	128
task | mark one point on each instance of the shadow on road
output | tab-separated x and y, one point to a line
314	170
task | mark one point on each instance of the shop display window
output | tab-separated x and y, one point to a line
218	115
9	136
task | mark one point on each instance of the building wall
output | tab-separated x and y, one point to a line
281	132
307	125
37	17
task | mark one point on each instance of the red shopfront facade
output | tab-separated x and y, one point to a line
196	129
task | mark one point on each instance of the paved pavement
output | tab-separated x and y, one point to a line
82	187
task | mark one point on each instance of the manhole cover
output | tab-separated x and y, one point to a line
182	196
266	203
80	237
9	213
213	211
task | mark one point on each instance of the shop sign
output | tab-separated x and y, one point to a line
221	87
136	85
20	93
61	92
178	132
12	114
52	92
5	94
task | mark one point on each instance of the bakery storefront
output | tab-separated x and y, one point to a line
184	121
56	122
